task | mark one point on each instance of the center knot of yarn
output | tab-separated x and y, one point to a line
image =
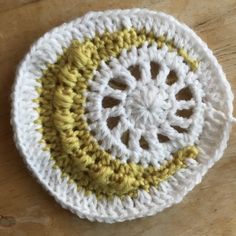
148	105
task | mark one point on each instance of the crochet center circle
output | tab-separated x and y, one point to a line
128	110
143	102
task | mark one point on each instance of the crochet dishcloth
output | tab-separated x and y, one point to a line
120	113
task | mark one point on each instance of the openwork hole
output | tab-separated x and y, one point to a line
99	142
125	138
109	102
72	110
184	94
180	129
163	138
75	128
185	113
143	143
93	133
86	110
117	84
171	78
155	68
135	72
113	122
89	121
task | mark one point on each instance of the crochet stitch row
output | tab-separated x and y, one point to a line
65	131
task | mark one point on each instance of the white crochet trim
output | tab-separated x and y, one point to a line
214	126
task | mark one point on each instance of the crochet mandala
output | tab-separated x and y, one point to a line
120	113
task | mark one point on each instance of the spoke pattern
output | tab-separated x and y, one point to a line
147	104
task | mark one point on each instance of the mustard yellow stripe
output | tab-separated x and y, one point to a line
64	128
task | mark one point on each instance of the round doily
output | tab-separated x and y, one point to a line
120	113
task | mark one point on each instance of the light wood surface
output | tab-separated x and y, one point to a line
26	209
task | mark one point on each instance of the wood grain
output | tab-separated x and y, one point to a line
26	209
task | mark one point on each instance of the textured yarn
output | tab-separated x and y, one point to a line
66	133
119	114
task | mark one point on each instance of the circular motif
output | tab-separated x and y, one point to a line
154	105
120	113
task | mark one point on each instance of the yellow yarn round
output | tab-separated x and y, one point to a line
61	108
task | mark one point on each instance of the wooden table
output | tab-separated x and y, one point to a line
26	209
